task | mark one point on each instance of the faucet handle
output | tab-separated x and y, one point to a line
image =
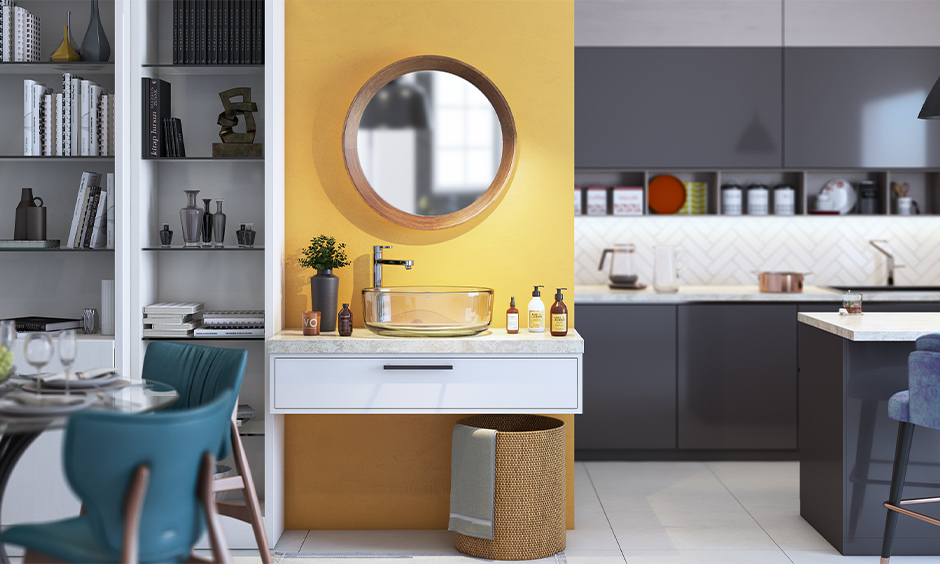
378	248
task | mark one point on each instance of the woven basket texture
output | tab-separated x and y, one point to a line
529	501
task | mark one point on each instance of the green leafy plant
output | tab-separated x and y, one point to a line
324	253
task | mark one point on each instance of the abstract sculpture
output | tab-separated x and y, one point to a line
237	144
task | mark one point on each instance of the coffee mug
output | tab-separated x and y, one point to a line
311	321
905	205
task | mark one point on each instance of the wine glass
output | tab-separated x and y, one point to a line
67	348
38	348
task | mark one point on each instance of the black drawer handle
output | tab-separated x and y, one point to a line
419	367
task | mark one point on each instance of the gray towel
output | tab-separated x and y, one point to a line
472	481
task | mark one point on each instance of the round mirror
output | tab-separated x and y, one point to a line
429	142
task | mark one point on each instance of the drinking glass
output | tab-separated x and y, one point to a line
38	348
67	348
8	340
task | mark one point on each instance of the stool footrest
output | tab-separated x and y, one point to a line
914	501
913	514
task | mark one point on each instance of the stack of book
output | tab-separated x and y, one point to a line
176	320
79	121
19	34
163	135
93	218
218	32
231	323
25	325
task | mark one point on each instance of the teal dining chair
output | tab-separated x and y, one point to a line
198	372
145	481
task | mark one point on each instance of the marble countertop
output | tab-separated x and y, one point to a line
875	326
363	341
601	294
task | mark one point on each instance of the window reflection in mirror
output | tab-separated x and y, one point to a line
429	143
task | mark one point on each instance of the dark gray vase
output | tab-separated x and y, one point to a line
95	46
324	295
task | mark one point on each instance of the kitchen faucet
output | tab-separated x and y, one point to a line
378	261
890	258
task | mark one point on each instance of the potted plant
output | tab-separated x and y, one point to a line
324	254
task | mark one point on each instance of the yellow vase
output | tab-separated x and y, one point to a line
65	53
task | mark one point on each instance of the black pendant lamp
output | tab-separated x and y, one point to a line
398	105
931	109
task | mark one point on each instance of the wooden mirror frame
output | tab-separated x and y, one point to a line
427	63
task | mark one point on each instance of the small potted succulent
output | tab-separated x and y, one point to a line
324	254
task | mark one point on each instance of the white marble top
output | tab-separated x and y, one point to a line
601	294
363	341
875	326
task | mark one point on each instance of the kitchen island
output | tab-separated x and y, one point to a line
848	368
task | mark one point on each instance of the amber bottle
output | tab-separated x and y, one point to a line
512	317
345	321
559	315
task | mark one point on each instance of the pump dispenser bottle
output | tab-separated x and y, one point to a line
536	312
559	315
512	317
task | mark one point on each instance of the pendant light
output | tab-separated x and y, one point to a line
398	105
931	109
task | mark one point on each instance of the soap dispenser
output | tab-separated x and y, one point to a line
536	312
559	315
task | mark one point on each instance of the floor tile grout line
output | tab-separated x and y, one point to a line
708	465
604	510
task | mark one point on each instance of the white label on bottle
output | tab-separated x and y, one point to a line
536	320
512	321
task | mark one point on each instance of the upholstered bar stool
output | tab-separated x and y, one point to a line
919	405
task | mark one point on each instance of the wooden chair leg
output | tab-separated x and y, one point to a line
251	511
133	506
216	536
901	456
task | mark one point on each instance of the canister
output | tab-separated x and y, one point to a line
596	200
757	199
731	199
784	200
868	197
627	200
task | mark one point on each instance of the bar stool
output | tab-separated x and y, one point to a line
919	405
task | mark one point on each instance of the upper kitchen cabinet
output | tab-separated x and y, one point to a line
873	23
678	107
857	107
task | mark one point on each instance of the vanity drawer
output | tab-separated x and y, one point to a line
425	385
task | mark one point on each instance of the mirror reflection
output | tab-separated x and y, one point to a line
429	143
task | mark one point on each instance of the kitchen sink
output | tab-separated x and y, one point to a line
864	289
427	311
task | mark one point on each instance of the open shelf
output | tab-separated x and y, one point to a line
203	249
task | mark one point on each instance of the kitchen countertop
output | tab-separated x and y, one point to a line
363	341
601	294
875	326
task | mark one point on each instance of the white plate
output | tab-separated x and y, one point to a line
842	194
54	407
76	384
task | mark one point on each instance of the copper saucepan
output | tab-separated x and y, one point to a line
781	282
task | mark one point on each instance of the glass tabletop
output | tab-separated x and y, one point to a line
51	411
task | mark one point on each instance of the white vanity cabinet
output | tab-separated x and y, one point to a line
490	373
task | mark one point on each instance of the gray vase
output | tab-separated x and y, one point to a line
324	295
95	46
191	220
218	224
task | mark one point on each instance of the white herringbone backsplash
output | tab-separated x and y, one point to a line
725	250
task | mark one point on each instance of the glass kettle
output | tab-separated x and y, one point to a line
622	263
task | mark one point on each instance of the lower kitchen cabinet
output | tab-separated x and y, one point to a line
629	377
737	376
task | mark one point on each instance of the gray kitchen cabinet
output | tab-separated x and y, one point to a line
857	107
629	377
678	107
737	376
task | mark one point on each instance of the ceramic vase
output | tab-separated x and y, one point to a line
20	226
218	224
191	219
324	293
66	53
95	46
207	224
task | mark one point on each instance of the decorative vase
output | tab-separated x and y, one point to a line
218	224
21	224
191	218
207	225
95	46
66	53
324	293
166	236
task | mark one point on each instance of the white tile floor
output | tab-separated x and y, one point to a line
649	513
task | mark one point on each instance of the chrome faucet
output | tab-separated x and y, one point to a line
890	259
378	261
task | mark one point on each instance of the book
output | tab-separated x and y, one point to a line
31	44
75	114
178	131
28	116
109	182
40	323
172	326
225	35
244	411
58	124
94	103
174	307
176	31
85	117
171	317
201	9
212	25
19	34
99	233
157	104
39	90
104	131
23	244
234	313
191	32
66	114
88	179
168	137
184	334
91	210
47	128
6	42
216	333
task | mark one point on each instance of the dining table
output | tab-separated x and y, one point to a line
25	412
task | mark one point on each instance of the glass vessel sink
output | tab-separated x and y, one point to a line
887	288
427	311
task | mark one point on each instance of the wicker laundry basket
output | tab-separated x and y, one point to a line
529	500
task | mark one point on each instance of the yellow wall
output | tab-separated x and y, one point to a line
386	472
